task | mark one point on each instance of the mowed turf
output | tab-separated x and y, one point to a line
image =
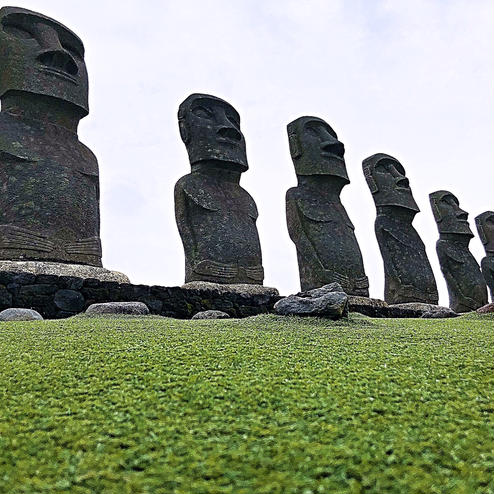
259	405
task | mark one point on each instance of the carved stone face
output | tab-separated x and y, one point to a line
210	129
485	227
450	218
388	183
39	55
315	148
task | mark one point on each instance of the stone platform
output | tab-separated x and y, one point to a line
61	269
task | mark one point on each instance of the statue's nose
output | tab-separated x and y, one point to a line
333	147
229	133
462	215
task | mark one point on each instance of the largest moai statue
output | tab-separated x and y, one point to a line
466	285
49	206
408	275
485	227
215	216
318	224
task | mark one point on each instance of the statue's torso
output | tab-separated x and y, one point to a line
466	284
326	225
49	206
221	217
408	273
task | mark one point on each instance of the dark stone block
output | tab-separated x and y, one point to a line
70	282
215	216
69	300
40	289
5	298
327	249
91	282
49	207
153	304
466	285
6	277
49	279
407	272
24	279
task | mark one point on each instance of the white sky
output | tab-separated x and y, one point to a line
413	79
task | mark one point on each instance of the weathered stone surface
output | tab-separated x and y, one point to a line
318	292
486	309
69	300
418	309
327	249
466	285
215	216
238	288
372	307
408	275
485	227
129	308
211	314
38	268
49	206
18	314
333	305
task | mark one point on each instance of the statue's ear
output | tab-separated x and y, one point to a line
294	146
435	210
370	180
480	229
184	131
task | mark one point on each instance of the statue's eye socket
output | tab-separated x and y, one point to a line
71	50
312	131
233	120
202	112
17	31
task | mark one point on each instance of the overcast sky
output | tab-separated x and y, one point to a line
413	79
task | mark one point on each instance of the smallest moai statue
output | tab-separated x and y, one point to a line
466	286
485	227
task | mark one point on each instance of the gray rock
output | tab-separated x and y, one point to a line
333	305
239	288
61	269
372	307
19	314
128	308
418	309
211	314
485	309
319	292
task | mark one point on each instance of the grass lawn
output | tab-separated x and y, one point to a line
260	405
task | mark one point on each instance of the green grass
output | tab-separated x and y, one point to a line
259	405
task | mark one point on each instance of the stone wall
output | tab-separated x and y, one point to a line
63	296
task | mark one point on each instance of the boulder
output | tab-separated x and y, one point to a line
372	307
332	304
485	309
419	309
238	288
69	300
211	314
19	314
127	308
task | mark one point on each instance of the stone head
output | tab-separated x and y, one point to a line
210	129
485	227
40	55
387	182
315	148
450	218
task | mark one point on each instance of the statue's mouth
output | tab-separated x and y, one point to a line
59	73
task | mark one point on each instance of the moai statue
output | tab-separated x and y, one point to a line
215	216
408	275
466	285
318	224
49	207
485	227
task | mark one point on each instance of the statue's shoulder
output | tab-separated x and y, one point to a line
451	251
200	191
11	147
